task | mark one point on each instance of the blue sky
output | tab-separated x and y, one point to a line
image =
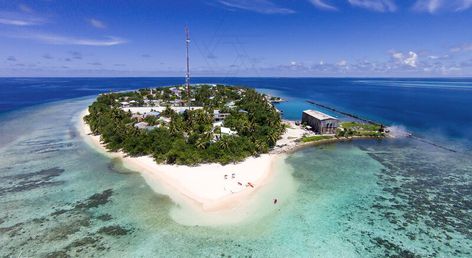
374	38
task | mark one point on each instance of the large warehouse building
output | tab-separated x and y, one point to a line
320	122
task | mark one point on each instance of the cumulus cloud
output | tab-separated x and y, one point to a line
54	39
375	5
410	63
97	23
323	5
259	6
409	59
433	6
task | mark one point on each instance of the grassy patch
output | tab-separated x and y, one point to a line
356	126
349	129
316	138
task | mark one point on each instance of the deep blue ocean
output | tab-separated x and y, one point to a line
367	198
442	106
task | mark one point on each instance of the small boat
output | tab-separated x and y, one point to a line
250	184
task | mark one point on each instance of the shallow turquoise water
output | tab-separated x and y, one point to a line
359	199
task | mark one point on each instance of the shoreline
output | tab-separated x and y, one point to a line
202	187
303	145
203	196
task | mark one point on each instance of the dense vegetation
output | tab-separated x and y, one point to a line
189	137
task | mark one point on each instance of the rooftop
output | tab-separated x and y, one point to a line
318	115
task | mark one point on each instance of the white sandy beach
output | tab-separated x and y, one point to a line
203	188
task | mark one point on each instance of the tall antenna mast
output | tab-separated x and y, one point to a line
187	74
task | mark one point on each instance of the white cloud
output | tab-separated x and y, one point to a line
410	59
375	5
341	63
260	6
433	6
20	19
97	23
323	5
65	40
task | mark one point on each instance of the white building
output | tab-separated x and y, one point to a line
227	131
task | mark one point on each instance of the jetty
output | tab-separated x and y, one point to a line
343	113
351	115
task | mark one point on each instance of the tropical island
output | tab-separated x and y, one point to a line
212	145
204	124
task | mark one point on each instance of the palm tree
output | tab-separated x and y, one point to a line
273	136
201	143
208	135
224	143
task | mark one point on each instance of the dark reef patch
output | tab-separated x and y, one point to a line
87	241
68	224
67	228
29	181
95	200
392	249
104	217
114	230
13	230
41	145
426	202
57	254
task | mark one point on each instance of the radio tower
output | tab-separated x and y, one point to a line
187	74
